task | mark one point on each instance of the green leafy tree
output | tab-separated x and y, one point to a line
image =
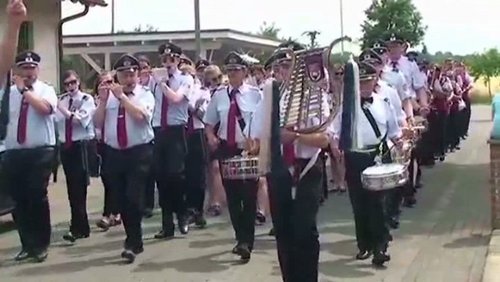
313	34
269	31
385	17
485	66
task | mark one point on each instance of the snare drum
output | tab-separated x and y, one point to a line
384	177
240	168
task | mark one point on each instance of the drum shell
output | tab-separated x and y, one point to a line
240	168
384	181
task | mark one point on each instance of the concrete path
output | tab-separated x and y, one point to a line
445	238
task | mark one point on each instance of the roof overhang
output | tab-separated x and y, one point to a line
213	34
91	3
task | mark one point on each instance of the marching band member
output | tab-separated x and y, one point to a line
217	197
294	197
111	213
441	90
146	79
377	125
172	95
124	115
453	127
200	67
232	109
29	155
196	159
74	121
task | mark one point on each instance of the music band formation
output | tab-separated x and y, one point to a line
268	130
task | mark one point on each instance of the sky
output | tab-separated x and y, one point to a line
458	26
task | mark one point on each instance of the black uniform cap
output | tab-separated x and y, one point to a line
126	63
380	47
170	49
28	59
367	71
395	38
269	62
371	57
234	60
294	45
202	64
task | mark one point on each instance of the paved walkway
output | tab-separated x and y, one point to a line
445	238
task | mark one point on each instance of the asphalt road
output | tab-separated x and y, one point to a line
443	239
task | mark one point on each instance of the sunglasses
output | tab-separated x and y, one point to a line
107	82
339	73
71	82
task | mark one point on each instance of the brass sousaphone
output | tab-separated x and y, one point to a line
309	83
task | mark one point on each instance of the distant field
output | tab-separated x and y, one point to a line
480	92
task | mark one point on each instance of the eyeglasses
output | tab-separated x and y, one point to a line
167	59
71	82
339	73
107	82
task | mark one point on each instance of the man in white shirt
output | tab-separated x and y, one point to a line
375	126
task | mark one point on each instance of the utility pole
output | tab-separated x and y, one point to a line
341	26
112	16
197	31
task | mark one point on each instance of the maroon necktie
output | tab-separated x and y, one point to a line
68	128
231	119
22	123
289	154
121	128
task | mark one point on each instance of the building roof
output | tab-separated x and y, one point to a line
208	34
91	3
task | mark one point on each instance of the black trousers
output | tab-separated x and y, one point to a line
453	129
27	173
74	160
438	121
371	230
196	162
170	152
110	193
294	221
128	171
467	115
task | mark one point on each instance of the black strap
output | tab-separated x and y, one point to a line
372	121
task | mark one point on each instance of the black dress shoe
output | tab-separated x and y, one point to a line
73	237
393	223
138	250
183	226
129	256
235	249
379	258
362	255
199	221
271	232
260	217
164	235
410	202
40	256
23	255
243	251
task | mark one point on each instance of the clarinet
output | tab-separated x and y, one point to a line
4	108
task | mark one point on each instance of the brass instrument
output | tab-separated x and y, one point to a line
304	92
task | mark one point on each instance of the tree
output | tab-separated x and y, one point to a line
312	38
140	29
385	17
485	66
269	31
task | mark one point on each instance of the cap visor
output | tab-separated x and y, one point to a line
27	65
234	67
126	69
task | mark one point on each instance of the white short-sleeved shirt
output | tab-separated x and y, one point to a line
177	113
248	99
384	116
84	105
395	78
40	129
138	131
390	93
411	73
